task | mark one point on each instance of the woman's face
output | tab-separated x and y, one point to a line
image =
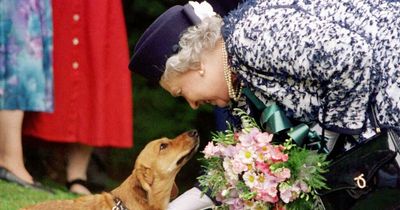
204	86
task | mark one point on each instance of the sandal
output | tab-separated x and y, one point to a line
78	181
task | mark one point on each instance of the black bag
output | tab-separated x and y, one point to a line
365	177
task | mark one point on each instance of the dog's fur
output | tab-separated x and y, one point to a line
149	186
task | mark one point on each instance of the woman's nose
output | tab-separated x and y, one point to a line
193	105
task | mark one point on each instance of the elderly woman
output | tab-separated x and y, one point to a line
331	63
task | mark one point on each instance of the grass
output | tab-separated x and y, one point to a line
14	197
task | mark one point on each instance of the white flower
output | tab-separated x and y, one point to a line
246	155
225	192
230	174
250	178
203	9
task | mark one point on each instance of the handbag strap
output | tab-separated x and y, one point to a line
393	137
375	119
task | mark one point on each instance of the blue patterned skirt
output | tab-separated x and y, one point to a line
26	45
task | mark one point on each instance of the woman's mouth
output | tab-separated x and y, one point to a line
205	102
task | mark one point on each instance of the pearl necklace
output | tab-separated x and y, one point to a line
228	76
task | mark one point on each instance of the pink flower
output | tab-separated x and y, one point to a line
266	197
235	204
230	174
289	193
302	185
285	195
238	166
267	184
263	139
248	139
245	140
277	155
263	167
211	150
229	151
282	174
236	136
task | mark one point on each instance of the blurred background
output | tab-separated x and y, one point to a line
156	114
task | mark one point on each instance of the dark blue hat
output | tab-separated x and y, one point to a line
161	38
160	41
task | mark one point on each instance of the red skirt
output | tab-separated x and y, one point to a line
92	83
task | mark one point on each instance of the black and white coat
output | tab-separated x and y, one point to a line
322	60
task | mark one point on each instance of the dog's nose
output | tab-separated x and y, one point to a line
193	133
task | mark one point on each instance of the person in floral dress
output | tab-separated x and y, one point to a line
26	78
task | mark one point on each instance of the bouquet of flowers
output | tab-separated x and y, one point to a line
247	169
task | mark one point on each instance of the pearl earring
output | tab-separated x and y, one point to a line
201	72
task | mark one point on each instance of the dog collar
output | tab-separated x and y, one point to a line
119	205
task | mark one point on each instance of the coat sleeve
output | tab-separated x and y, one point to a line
286	42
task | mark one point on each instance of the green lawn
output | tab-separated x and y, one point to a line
13	196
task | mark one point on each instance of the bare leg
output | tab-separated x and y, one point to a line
11	153
77	162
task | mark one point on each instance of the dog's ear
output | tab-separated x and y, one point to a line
145	177
174	191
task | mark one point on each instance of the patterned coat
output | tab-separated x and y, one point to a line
322	60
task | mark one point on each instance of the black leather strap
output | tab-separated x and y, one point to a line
76	181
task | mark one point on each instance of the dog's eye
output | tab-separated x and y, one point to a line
163	146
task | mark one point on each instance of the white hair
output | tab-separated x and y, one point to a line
193	41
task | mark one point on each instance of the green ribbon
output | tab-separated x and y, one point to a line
298	133
250	95
274	120
316	142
